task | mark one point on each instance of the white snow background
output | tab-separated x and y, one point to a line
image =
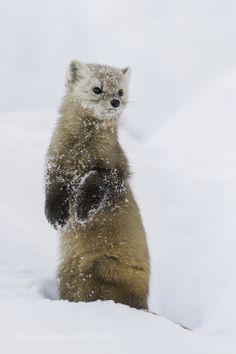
179	134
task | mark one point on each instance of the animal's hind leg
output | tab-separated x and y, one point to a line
77	287
122	295
122	283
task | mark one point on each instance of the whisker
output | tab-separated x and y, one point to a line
126	102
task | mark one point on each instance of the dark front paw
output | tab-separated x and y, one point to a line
91	194
57	211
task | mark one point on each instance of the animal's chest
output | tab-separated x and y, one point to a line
82	159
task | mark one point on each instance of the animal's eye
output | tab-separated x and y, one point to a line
120	92
97	90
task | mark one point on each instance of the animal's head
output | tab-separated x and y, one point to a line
99	91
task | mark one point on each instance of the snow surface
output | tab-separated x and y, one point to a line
184	180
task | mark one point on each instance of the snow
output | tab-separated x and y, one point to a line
95	327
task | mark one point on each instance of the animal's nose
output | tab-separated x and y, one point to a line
115	103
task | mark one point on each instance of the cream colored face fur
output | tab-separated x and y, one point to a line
83	78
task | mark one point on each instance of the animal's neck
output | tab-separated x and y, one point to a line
87	129
100	131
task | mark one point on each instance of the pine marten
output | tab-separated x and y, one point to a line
103	253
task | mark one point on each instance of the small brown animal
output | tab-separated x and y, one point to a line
104	253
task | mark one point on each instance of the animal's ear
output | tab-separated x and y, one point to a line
126	73
76	71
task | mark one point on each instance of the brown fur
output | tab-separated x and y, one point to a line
106	257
